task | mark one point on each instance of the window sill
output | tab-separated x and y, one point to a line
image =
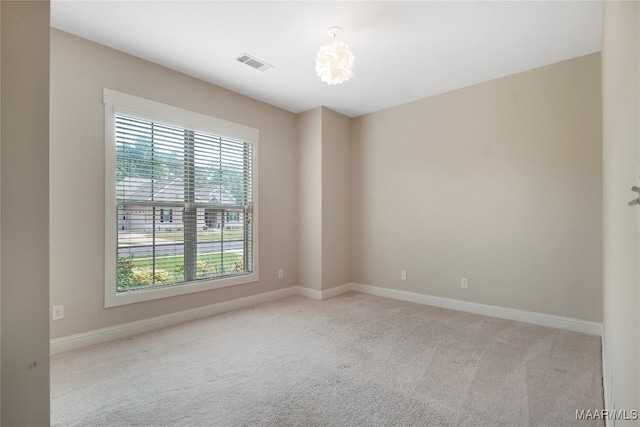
114	299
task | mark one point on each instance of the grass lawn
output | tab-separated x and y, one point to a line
203	236
170	268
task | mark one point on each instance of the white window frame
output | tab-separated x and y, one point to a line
122	103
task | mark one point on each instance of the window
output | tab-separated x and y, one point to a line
165	215
177	175
233	216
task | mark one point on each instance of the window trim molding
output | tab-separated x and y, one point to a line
118	102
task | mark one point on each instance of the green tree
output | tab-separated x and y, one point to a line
142	160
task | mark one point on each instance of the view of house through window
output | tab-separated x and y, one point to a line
184	205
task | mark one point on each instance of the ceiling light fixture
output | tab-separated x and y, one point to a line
334	63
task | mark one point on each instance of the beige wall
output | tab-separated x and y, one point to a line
24	195
621	135
499	182
325	205
79	71
336	199
309	135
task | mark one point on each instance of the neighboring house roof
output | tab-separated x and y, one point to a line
169	190
218	194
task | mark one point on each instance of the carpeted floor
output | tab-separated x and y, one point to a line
354	360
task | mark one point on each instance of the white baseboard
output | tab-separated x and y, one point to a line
606	384
558	322
308	292
71	342
322	295
338	290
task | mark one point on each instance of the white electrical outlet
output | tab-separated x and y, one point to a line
464	282
403	275
57	312
280	274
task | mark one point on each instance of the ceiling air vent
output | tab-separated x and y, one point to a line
254	62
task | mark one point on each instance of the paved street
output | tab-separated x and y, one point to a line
177	248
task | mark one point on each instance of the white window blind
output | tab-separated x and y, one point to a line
184	202
180	191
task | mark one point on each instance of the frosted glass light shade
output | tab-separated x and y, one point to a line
334	63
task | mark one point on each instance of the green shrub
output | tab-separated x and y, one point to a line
238	264
204	268
146	276
125	275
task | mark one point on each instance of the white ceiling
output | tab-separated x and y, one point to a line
404	50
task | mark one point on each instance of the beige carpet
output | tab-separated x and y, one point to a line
354	360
